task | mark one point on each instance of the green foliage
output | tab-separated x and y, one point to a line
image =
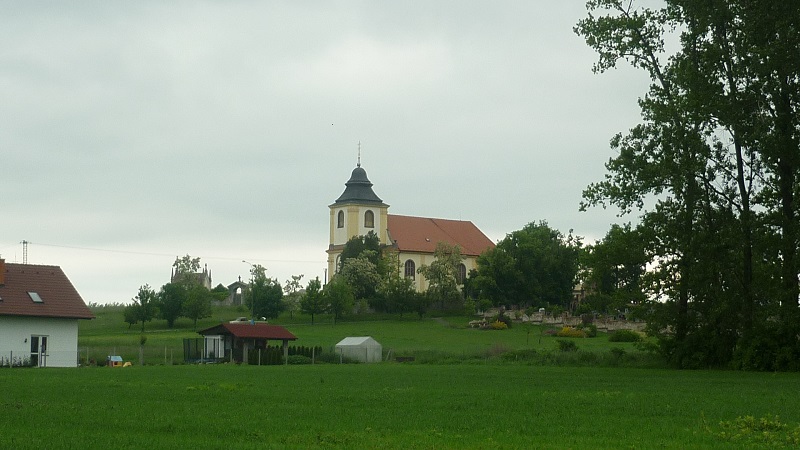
624	336
197	302
339	298
312	301
715	159
219	293
767	430
298	359
536	265
170	302
590	329
264	295
442	277
144	307
292	293
361	274
567	346
369	245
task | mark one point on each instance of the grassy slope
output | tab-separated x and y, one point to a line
403	336
383	406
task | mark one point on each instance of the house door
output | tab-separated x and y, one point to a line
38	351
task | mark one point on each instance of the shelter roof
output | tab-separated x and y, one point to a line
250	331
39	291
421	234
357	340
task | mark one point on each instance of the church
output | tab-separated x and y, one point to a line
359	210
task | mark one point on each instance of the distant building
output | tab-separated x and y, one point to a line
359	210
202	278
39	313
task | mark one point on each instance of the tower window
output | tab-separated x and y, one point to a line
340	220
369	219
410	269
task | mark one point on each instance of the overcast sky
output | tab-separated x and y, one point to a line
135	132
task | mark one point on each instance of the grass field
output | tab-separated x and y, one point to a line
394	405
427	339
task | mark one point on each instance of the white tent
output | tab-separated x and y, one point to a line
363	348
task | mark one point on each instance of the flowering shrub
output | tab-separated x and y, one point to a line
497	325
571	332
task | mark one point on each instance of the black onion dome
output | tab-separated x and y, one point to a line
358	189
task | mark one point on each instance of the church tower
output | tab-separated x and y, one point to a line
355	213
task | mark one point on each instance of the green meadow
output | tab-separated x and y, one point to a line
466	388
394	405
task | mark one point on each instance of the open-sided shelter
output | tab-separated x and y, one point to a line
39	313
232	341
360	348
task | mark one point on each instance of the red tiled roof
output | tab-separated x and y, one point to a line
421	234
59	297
250	331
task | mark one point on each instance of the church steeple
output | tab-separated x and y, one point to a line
357	212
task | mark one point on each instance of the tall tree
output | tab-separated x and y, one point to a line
361	274
170	302
339	298
197	304
442	276
144	307
264	295
717	156
292	293
312	301
615	269
536	265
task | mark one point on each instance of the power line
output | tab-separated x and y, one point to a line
167	255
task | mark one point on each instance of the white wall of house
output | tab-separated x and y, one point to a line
17	333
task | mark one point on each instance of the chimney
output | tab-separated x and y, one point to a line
2	271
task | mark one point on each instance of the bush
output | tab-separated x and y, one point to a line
571	332
298	359
498	325
624	336
567	346
589	328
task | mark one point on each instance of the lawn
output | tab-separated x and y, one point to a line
393	405
407	336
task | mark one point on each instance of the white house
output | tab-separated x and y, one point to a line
360	348
39	313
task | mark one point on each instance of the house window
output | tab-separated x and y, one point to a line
35	297
462	273
369	219
340	220
410	269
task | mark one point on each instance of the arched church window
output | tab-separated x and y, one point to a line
338	263
410	269
462	273
369	219
340	220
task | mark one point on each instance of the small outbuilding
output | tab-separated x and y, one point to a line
361	348
233	340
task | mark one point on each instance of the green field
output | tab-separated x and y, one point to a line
393	405
466	388
429	339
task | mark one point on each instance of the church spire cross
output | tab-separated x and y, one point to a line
359	154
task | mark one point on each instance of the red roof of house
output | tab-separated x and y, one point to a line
421	234
58	297
250	331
